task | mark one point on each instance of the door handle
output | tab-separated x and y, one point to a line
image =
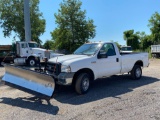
117	59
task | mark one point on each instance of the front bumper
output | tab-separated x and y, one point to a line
65	78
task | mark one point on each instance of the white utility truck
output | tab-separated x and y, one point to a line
155	50
27	52
126	49
88	63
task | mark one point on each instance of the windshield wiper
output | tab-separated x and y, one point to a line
81	53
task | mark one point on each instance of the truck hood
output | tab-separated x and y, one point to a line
55	55
38	49
39	52
68	58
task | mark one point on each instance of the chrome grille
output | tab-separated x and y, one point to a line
54	68
47	54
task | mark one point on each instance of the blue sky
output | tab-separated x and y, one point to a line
112	17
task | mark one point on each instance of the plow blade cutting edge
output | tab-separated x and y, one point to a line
38	82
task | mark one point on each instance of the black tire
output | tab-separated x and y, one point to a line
0	62
32	62
82	83
136	72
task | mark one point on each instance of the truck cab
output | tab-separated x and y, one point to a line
24	49
27	52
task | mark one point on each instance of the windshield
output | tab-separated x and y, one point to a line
33	45
51	51
126	48
88	49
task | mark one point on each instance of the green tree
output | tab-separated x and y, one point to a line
48	44
72	27
145	40
12	19
132	39
154	24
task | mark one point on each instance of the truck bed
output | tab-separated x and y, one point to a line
131	53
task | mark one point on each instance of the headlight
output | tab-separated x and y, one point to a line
65	68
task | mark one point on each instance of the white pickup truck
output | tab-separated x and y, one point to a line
88	63
92	61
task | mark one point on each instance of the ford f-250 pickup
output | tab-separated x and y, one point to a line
95	60
88	63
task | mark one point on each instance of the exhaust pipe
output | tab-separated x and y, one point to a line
38	82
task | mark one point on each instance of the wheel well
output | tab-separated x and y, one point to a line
85	70
140	63
30	57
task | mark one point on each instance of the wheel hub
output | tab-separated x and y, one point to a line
85	84
32	62
138	72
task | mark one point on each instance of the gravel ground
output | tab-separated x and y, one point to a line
114	98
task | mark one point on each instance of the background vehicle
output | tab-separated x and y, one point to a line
26	53
6	54
88	63
155	50
126	49
7	57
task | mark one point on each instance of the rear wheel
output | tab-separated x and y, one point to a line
1	62
31	62
82	83
136	72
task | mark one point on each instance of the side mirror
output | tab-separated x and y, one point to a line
102	54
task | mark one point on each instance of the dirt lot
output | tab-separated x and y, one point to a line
114	98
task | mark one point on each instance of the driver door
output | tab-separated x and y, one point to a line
110	65
24	49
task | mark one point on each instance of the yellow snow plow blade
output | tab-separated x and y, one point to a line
38	82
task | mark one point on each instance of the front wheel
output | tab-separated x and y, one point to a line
82	83
136	72
31	62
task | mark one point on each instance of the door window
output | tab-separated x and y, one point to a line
24	45
108	49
